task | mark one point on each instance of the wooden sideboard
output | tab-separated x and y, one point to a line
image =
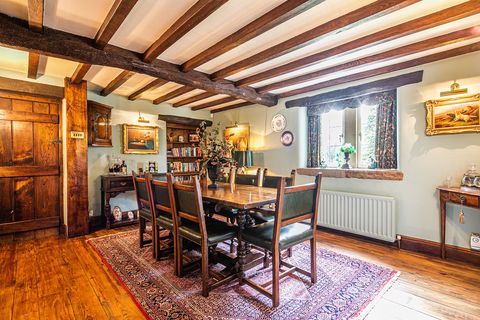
468	198
112	186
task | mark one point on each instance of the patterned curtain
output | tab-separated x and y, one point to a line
313	148
386	133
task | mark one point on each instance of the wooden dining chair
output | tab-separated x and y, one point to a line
248	179
193	225
163	214
294	205
144	213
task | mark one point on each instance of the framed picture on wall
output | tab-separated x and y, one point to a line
453	115
140	139
238	136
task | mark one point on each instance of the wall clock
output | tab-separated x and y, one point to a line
278	122
287	138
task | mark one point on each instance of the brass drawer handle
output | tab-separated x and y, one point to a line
123	184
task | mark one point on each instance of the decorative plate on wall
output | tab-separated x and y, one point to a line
287	138
278	122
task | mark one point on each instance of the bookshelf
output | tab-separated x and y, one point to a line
183	149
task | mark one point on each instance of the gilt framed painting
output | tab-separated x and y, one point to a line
238	136
140	139
453	115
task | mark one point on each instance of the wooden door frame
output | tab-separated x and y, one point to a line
30	91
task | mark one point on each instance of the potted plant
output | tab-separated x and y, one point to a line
216	153
347	149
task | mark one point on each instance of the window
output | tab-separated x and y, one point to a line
331	136
355	126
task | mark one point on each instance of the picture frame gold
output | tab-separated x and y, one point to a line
140	139
238	136
453	115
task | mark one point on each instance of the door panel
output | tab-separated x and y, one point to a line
22	136
29	163
5	143
23	199
6	196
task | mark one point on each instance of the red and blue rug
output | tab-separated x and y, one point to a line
347	288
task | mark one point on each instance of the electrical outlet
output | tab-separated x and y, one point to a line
77	135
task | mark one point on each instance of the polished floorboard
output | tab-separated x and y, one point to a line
44	276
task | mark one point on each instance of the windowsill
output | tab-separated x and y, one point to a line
376	174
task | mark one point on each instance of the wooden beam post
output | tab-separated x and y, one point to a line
77	162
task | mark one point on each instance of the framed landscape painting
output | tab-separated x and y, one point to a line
453	115
140	139
238	136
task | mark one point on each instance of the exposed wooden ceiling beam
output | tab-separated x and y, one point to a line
75	48
269	20
369	12
189	100
376	86
117	82
429	21
387	69
80	72
450	38
115	17
196	14
35	23
233	106
33	62
213	103
173	94
154	84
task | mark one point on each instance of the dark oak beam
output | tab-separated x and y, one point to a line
387	69
173	94
233	106
80	72
117	82
340	24
115	17
30	88
196	14
377	86
184	120
269	20
213	103
410	27
154	84
35	23
68	46
198	97
428	44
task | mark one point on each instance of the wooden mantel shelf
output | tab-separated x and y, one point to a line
376	174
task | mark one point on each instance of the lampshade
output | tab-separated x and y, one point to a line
243	158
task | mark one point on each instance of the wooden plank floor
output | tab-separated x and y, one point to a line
44	276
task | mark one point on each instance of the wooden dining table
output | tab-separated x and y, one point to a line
240	198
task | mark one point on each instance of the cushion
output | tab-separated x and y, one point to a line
262	216
217	231
262	235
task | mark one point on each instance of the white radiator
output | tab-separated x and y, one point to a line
367	215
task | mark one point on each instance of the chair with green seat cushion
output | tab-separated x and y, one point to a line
266	213
294	205
160	201
193	225
144	213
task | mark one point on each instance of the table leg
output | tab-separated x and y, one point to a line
106	210
241	248
443	205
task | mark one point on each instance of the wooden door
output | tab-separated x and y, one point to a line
30	158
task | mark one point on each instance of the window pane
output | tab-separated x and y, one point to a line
331	136
368	118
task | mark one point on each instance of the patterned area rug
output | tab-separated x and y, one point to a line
346	289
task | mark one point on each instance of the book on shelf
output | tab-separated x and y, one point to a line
186	152
177	166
